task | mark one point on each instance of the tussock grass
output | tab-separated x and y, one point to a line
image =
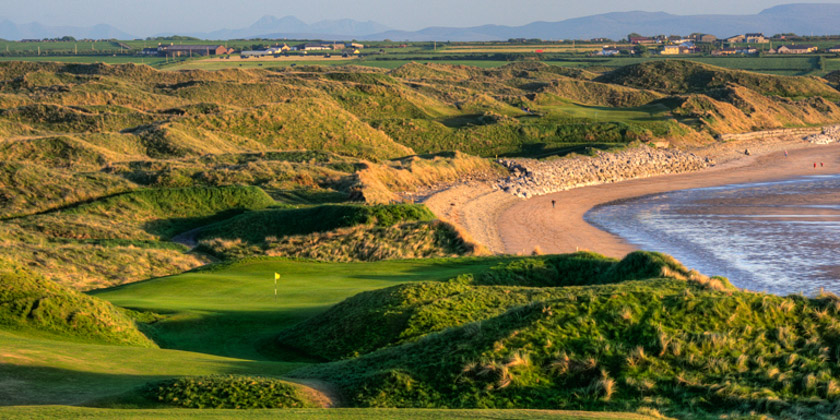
29	301
237	392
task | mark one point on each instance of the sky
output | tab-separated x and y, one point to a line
151	17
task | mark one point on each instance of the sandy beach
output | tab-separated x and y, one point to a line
505	224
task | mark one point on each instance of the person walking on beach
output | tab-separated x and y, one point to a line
786	153
553	203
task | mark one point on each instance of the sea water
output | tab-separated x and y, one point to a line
780	237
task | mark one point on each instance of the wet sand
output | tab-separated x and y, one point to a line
526	224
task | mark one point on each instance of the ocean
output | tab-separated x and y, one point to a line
779	237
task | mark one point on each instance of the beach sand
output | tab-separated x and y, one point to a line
505	224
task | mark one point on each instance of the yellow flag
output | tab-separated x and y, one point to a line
276	276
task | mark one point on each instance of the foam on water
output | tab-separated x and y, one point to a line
781	237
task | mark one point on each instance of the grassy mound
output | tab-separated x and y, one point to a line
239	392
401	314
31	302
367	242
28	187
678	77
255	227
171	211
122	238
679	347
592	93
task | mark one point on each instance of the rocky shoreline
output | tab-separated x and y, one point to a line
829	134
531	177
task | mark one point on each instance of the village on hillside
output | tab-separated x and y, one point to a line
706	44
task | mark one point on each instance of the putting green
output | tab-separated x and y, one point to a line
231	310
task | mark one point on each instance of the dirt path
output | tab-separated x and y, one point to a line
188	238
325	394
517	226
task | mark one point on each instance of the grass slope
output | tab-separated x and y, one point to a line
206	309
387	317
31	302
686	346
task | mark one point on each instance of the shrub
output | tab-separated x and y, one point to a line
238	392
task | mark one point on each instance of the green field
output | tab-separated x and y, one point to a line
471	54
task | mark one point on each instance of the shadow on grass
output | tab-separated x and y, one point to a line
167	228
543	150
238	334
44	385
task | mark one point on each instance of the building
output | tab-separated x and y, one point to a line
311	47
608	51
735	51
796	49
706	38
736	39
684	48
355	45
755	38
150	51
834	49
191	50
641	40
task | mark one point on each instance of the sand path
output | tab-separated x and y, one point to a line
506	224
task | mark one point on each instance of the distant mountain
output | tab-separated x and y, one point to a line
292	27
804	19
12	31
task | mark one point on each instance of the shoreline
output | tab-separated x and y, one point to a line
531	223
509	225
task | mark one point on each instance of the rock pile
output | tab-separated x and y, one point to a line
530	177
830	134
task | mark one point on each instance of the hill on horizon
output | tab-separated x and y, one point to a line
802	18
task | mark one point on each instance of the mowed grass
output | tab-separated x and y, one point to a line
652	112
35	413
232	311
226	311
38	370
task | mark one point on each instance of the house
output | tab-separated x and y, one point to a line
796	49
608	51
310	47
735	51
684	48
190	50
834	49
736	39
150	51
354	45
755	38
641	40
706	38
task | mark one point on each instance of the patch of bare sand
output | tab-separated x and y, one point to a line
475	208
505	224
